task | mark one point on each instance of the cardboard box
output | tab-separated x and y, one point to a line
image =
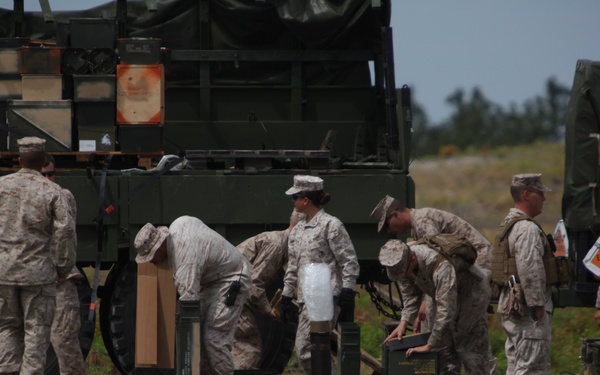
96	138
42	86
140	94
155	317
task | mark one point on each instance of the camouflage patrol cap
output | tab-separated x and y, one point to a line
395	256
148	240
31	144
383	210
530	180
305	183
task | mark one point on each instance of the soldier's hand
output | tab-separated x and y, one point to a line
274	314
397	333
417	325
285	307
419	349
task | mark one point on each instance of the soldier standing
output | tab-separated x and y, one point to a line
267	252
320	238
66	324
35	216
455	314
395	218
528	336
205	267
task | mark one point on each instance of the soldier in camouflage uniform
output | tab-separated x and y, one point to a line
66	324
395	218
528	337
459	321
204	267
35	217
267	252
320	238
597	314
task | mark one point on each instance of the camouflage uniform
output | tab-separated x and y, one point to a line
204	266
64	335
528	342
441	283
431	221
33	212
267	252
322	240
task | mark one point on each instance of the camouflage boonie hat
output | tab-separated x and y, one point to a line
530	180
148	240
395	256
31	144
383	210
305	183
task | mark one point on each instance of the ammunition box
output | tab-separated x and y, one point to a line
42	86
39	60
140	138
95	113
139	50
11	87
50	120
96	138
94	88
140	94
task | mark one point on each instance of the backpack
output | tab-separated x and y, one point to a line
451	245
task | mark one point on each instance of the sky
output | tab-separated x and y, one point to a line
507	48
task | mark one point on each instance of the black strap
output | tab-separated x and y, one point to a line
100	234
112	207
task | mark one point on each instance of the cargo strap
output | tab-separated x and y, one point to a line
100	234
112	207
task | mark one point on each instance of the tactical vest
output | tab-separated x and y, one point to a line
448	246
504	265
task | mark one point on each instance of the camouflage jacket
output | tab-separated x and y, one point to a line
200	257
74	273
35	224
431	221
322	240
267	252
526	243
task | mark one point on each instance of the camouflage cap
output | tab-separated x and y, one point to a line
31	144
383	210
305	183
395	256
530	180
148	240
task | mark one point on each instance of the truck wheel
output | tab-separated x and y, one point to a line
121	317
86	333
104	313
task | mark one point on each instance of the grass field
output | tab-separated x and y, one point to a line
474	186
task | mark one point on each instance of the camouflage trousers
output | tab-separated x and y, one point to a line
303	338
218	324
528	344
26	314
247	345
65	330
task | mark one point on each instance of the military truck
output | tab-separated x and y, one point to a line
243	95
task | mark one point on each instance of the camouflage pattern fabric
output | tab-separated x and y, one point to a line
204	266
431	221
267	252
598	298
24	342
247	343
33	211
65	329
321	240
528	342
35	217
302	344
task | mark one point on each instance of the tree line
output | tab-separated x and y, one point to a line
476	122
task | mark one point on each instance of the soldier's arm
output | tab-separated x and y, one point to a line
64	233
446	296
267	263
525	240
344	253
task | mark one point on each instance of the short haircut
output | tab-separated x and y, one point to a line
49	160
33	159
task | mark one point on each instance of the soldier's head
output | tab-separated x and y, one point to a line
398	259
31	152
528	193
392	216
307	193
151	244
49	168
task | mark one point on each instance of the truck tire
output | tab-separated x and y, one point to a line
278	339
86	333
104	313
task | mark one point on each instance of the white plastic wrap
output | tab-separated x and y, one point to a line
315	279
